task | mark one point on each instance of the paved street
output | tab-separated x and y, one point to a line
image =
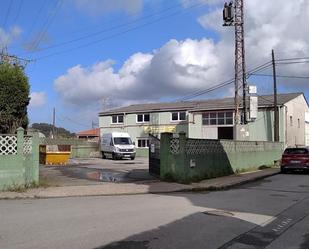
272	213
94	171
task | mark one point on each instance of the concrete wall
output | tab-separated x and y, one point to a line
295	132
21	168
79	148
187	160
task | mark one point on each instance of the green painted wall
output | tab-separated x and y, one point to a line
198	159
85	151
22	168
142	152
79	148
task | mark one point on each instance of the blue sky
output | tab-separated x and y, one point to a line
136	51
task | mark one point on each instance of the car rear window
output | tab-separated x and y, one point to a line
296	151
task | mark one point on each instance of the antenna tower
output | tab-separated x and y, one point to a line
233	15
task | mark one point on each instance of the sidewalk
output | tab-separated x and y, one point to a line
146	187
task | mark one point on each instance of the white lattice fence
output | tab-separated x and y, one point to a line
8	145
27	147
174	145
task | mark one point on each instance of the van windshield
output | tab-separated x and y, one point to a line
122	140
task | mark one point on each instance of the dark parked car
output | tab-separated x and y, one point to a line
295	159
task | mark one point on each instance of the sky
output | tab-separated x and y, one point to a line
87	56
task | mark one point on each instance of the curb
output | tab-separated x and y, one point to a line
193	189
231	185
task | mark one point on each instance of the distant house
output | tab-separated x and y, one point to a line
92	134
211	119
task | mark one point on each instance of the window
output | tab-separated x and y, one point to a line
143	143
143	118
217	118
179	116
291	121
298	123
117	119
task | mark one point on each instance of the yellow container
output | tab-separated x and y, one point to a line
56	157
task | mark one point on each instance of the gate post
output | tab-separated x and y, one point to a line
20	142
165	154
183	174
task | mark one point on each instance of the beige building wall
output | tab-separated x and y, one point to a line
307	128
296	110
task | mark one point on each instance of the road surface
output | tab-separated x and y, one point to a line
272	213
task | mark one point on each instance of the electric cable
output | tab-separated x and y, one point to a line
117	34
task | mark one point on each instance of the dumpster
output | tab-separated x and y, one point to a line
55	154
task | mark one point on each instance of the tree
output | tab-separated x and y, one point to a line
14	98
46	129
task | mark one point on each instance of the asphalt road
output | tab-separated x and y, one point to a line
272	213
95	171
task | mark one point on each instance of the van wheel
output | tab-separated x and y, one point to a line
103	155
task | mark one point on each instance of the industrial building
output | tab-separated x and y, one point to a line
211	119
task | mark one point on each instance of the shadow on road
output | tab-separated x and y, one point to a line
244	217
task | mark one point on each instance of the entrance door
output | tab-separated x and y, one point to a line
154	155
225	133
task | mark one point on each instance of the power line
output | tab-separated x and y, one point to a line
111	28
18	11
293	59
72	121
223	84
35	19
282	76
118	34
47	24
294	62
7	13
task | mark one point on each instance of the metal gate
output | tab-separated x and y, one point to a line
154	155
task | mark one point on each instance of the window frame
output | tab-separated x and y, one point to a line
146	142
212	118
117	119
178	116
143	118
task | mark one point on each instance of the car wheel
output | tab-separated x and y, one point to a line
283	171
132	158
114	156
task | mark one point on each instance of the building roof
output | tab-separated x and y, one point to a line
92	132
199	105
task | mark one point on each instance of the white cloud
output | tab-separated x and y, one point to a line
37	99
175	68
6	37
268	25
179	67
98	7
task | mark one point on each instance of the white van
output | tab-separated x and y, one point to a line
117	145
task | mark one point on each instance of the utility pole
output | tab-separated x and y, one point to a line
234	16
54	121
276	113
12	59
